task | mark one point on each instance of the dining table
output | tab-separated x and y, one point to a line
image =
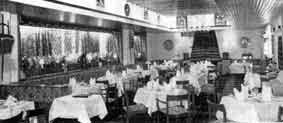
14	109
81	108
251	110
147	97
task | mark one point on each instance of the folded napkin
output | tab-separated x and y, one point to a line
108	73
124	73
266	93
149	84
241	96
156	84
72	82
178	73
138	67
166	86
280	76
92	82
10	101
154	64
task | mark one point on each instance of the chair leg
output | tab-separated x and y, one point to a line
158	118
167	119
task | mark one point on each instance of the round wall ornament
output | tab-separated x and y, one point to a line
245	42
127	9
168	45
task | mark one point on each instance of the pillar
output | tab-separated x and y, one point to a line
11	60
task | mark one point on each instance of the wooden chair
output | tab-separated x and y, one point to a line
109	92
132	110
142	81
175	112
183	83
212	108
41	111
280	113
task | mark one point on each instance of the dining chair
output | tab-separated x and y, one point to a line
178	111
212	108
109	92
280	113
142	81
36	113
65	120
41	111
183	83
131	109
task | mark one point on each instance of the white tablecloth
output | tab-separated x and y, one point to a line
78	108
148	98
237	68
7	112
253	110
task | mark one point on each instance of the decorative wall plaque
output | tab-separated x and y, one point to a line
168	45
127	9
100	3
245	42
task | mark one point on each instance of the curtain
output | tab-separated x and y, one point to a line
140	45
118	44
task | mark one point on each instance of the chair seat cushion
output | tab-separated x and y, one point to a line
175	111
138	108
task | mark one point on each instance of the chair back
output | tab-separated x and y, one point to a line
177	97
108	91
212	107
183	83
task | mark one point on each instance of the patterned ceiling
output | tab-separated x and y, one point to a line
243	13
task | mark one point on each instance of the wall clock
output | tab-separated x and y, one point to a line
127	9
168	45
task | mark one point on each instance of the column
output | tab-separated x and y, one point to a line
11	60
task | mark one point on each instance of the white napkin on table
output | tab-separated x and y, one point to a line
10	101
241	96
178	73
92	82
124	73
266	93
167	87
149	84
138	67
154	64
72	82
156	84
108	73
280	76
